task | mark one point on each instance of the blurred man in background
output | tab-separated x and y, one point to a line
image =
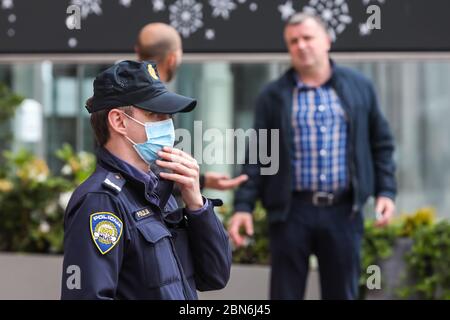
335	151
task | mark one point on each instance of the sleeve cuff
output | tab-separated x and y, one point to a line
387	194
244	207
202	209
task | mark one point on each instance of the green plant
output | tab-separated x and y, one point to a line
376	245
410	224
78	166
32	199
428	262
31	214
8	103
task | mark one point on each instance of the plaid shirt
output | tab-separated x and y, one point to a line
320	136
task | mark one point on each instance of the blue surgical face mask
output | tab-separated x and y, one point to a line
159	134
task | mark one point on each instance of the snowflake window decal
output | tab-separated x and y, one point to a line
222	8
334	13
286	10
186	16
8	6
125	3
158	5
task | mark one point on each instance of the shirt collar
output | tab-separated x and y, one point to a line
302	86
109	160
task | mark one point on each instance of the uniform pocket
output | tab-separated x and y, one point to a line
159	262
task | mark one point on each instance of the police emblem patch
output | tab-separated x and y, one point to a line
152	72
106	230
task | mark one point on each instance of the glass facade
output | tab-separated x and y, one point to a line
413	94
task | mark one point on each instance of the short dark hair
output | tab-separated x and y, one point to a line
99	122
300	17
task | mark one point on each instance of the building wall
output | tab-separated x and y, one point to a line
413	94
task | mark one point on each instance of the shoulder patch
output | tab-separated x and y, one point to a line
114	182
106	230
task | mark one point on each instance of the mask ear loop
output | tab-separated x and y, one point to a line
135	120
132	142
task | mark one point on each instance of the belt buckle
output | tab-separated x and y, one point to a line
321	198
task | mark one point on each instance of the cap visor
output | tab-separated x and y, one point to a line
168	103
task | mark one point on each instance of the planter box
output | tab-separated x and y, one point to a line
393	272
251	282
38	276
30	276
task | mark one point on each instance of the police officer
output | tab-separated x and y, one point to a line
122	223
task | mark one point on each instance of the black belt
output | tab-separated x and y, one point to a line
324	199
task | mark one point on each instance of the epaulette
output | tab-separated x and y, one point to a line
114	182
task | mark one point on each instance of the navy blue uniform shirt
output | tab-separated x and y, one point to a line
125	238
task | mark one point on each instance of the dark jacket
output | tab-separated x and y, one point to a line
128	242
370	144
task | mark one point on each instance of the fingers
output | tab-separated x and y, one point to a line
177	167
185	168
385	208
233	230
381	214
231	183
221	176
222	181
179	162
249	226
179	159
242	178
238	220
179	153
181	179
379	207
386	218
213	179
238	180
